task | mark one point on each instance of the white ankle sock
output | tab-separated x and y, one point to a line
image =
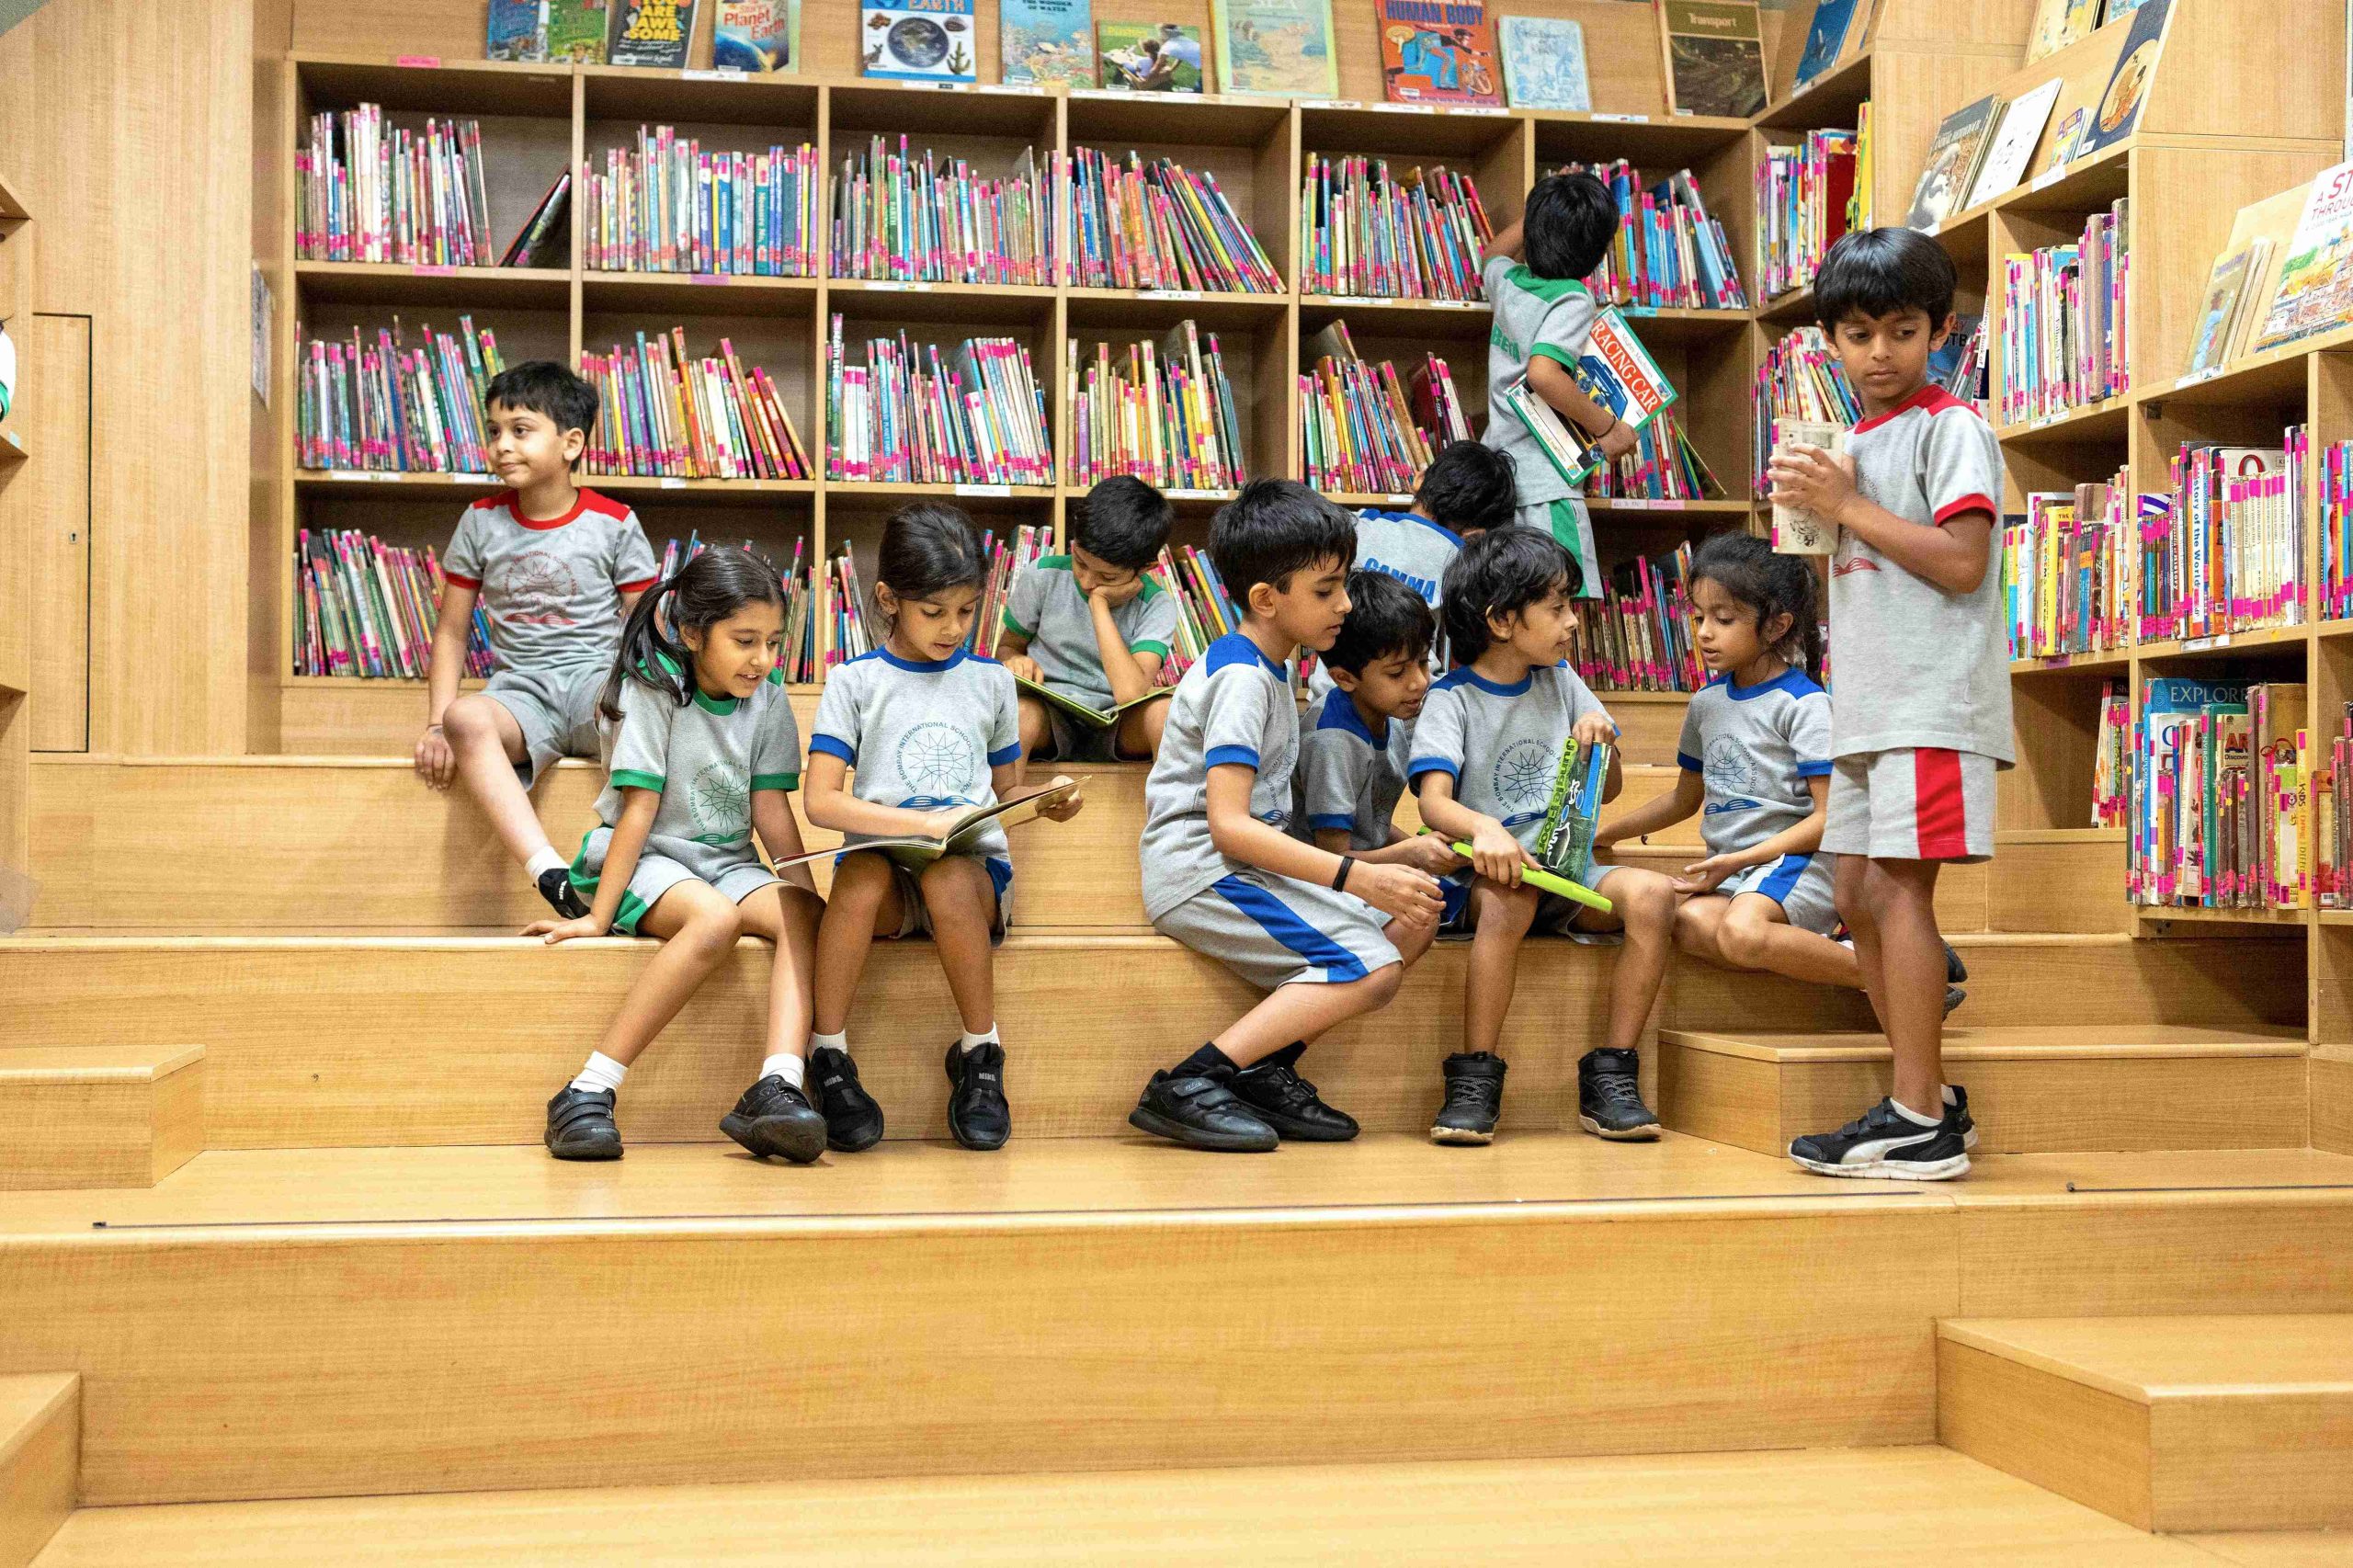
969	1042
543	859
786	1066
837	1042
1914	1117
1949	1098
602	1073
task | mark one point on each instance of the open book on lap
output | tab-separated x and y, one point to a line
916	850
1084	712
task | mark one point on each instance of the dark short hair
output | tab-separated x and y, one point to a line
1124	522
1469	485
1500	573
1277	527
1385	618
544	387
929	547
1568	225
1879	272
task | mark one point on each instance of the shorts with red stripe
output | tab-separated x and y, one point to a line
1923	804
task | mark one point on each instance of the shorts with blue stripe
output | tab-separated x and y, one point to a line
1272	931
1800	884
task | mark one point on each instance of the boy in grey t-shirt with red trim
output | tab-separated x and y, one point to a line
1920	690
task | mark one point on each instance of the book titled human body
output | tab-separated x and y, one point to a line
1044	41
756	37
1151	57
2316	290
576	31
1437	52
651	32
918	40
1543	60
1275	47
1715	56
1951	166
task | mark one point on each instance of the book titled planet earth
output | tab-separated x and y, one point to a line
919	40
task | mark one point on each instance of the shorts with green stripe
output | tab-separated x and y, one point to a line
1570	523
736	871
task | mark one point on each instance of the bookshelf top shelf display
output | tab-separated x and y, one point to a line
702	97
428	85
1194	120
1830	99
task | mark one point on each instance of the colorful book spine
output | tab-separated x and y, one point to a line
2063	323
366	608
1804	196
1669	254
383	407
1151	223
2070	571
1367	233
899	216
666	204
664	412
907	413
1357	432
1637	636
2336	535
2112	755
369	191
1664	466
1167	416
1799	377
2220	803
798	659
843	607
2223	550
1005	557
1204	610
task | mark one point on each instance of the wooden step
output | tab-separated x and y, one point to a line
2033	1089
98	1115
2332	1098
1771	1510
2166	1423
2277	1548
40	1431
463	1040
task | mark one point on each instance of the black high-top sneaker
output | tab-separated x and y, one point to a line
1200	1110
775	1119
1886	1143
853	1121
580	1125
977	1113
1609	1098
1288	1103
555	886
1474	1099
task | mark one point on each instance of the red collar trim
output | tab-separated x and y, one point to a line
1930	397
514	505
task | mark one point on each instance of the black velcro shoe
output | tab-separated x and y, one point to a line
1955	971
977	1113
1201	1111
555	886
580	1125
1886	1143
853	1121
1474	1099
1288	1103
1609	1098
774	1119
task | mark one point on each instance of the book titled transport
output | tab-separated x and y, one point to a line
1087	713
1951	166
1797	531
1275	47
1151	57
516	29
915	850
1045	42
1617	372
1437	52
1826	39
1544	64
576	31
756	37
1715	56
2315	292
918	40
651	32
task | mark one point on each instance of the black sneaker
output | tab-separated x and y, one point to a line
853	1121
774	1118
977	1113
1474	1099
1885	1143
1956	971
1201	1111
1957	1115
580	1125
1288	1103
1609	1098
555	886
1954	997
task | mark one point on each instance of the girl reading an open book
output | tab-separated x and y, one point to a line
908	740
700	748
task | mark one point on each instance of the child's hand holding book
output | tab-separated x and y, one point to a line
1021	666
1412	897
1496	854
1812	479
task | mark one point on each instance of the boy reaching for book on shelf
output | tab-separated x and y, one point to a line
1920	710
1487	754
1543	317
1326	934
555	568
1092	631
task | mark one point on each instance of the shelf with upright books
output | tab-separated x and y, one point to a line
744	198
1204	413
635	359
1217	168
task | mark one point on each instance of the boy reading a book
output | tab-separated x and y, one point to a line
1920	698
556	568
1092	628
1544	316
1487	752
1326	934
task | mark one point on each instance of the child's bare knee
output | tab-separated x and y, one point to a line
1742	942
1380	985
469	721
1645	901
712	928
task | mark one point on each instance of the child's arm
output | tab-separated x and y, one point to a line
1507	243
436	763
1798	839
1008	775
1129	673
1676	805
830	804
779	833
1423	851
1410	896
1953	555
622	851
1494	853
1013	653
1552	383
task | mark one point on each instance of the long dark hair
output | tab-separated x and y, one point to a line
926	547
1770	584
704	591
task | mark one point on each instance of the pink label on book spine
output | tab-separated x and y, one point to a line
435	271
418	62
712	277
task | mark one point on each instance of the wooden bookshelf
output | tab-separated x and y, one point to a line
16	540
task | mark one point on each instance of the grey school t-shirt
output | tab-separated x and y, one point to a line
922	734
1234	706
1410	548
1754	748
1046	608
706	757
552	589
1501	744
1551	317
1349	777
1910	663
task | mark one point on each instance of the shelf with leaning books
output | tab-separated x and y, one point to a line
702	398
1451	191
379	392
1179	405
1180	201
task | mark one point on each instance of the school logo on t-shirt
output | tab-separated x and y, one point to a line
719	800
936	760
1523	777
537	589
1731	774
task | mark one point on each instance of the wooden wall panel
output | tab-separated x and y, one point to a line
62	524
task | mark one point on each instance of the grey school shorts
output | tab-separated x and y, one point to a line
657	874
1272	931
1803	885
556	710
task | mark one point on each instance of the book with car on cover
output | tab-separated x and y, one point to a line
1043	41
1275	47
917	851
756	37
918	40
1151	57
1715	56
1543	63
1616	371
1437	52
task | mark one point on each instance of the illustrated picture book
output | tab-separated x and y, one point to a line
1951	166
916	851
1275	47
1543	63
2057	23
756	37
1437	52
918	40
2006	157
576	31
1616	371
1715	56
2315	292
2128	85
1826	39
517	29
1564	843
1045	42
2223	316
534	244
651	32
1797	531
1087	713
1151	57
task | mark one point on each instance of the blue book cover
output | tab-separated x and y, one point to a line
518	29
1543	60
1046	40
2128	85
919	40
756	37
1825	40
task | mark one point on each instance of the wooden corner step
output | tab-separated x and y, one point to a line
98	1115
2221	1423
2089	1088
41	1460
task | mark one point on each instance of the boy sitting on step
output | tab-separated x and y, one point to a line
556	568
1486	750
1326	934
1920	692
1091	626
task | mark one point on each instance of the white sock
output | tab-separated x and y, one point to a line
839	1041
543	860
786	1066
1949	1098
602	1073
969	1042
1914	1117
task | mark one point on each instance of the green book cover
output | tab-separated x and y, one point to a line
1564	843
1085	713
576	31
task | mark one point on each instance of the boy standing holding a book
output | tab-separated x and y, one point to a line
1544	316
1920	690
556	568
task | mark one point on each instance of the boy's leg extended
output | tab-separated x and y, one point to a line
489	744
1322	957
1902	898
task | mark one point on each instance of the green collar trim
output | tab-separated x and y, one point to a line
711	704
1551	290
